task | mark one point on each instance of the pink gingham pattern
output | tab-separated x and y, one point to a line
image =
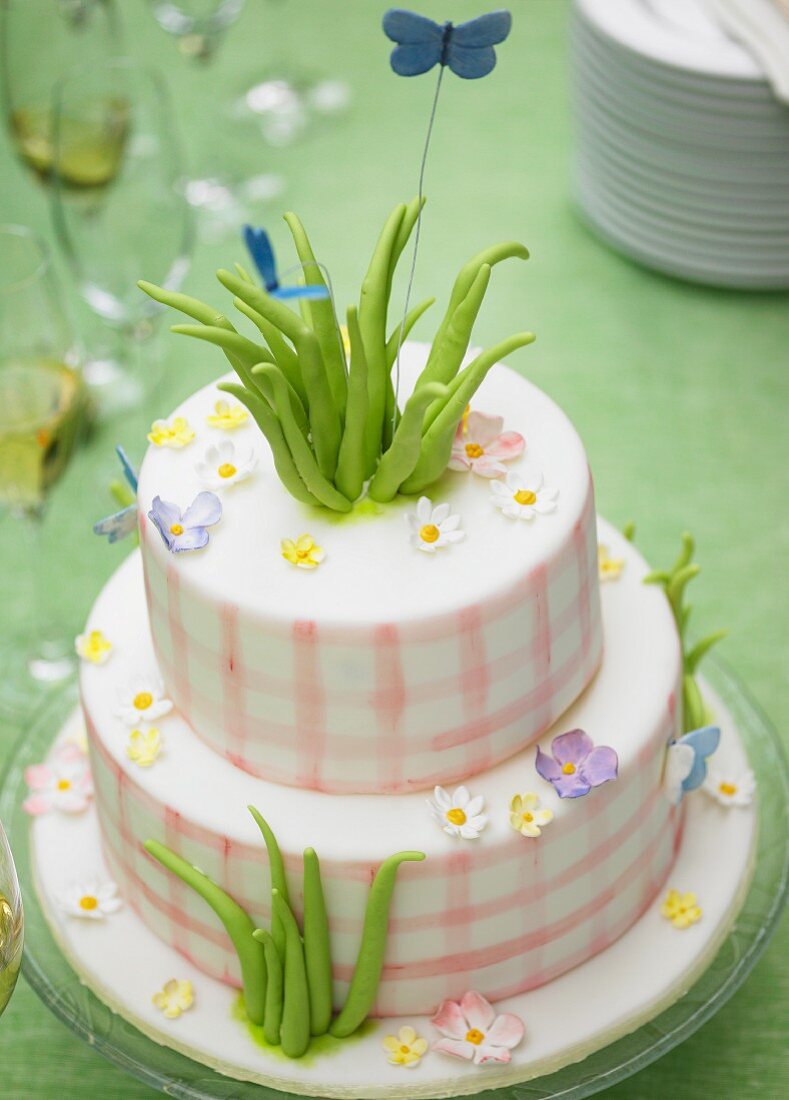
501	916
385	708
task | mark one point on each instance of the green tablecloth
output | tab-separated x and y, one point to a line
678	391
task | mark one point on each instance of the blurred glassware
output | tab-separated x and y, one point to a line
135	223
43	408
223	186
39	42
11	923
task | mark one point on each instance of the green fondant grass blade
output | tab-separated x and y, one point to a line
404	232
400	460
351	459
317	947
270	426
303	457
192	307
295	1027
237	924
284	355
457	335
701	649
262	373
324	321
437	440
370	960
685	554
373	304
277	875
694	711
412	318
272	1021
493	255
675	589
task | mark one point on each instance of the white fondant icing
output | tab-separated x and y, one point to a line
384	669
617	991
499	913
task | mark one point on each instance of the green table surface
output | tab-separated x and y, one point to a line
680	393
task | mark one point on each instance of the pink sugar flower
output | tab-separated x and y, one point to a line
481	446
64	784
472	1030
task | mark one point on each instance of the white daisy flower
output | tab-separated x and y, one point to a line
90	900
729	789
223	464
142	700
433	528
458	814
523	497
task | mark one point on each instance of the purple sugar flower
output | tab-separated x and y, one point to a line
576	765
187	530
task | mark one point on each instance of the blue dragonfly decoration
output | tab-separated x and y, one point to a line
686	768
261	250
467	49
120	524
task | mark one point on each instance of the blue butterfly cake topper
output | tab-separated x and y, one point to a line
466	49
261	250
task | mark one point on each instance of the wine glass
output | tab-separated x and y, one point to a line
222	189
113	121
11	923
40	40
43	408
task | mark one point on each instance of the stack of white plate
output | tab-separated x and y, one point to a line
682	151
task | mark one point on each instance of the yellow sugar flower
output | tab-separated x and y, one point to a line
93	647
608	568
303	552
176	997
681	909
144	747
227	416
406	1048
175	434
526	817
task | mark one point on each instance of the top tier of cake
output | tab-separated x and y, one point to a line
384	669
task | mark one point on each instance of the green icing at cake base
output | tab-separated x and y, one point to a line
321	1046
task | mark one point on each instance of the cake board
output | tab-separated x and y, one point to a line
639	981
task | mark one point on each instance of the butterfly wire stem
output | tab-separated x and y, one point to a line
412	272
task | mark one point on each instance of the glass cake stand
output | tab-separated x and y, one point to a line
60	989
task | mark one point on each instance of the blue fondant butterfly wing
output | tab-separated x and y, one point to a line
470	52
420	41
704	742
262	253
311	292
118	525
485	30
128	470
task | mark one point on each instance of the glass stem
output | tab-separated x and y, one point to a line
50	652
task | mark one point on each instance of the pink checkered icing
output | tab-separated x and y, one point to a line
347	710
502	916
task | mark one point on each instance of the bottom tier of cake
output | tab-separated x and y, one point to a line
502	913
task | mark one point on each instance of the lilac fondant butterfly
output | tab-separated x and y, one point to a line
261	250
467	49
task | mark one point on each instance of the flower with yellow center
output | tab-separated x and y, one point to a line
144	746
174	998
406	1048
142	701
227	417
433	528
304	552
731	788
681	909
176	433
222	464
93	647
91	900
458	814
526	815
608	568
523	497
482	447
